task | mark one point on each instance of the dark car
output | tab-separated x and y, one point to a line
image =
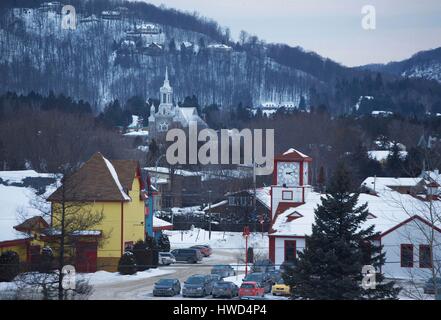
225	289
429	287
263	266
198	285
215	278
204	249
187	255
263	279
223	270
287	265
275	276
167	287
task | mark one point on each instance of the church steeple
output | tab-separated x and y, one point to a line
166	90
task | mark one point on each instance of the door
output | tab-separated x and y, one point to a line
34	256
85	257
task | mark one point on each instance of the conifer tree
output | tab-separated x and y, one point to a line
330	267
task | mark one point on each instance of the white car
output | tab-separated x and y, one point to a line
166	258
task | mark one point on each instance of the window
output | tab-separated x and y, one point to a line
290	250
407	256
287	195
425	256
231	201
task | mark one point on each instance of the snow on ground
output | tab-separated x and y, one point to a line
19	199
381	155
142	133
219	239
104	277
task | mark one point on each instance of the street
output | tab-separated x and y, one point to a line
142	289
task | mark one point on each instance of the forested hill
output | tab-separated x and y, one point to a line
120	49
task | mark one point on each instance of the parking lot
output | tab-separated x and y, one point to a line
142	289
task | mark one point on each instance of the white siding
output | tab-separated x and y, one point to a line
415	233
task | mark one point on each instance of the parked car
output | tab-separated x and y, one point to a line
281	289
167	287
187	255
223	270
429	287
215	278
275	276
265	265
263	279
251	288
204	249
286	266
166	258
198	285
225	289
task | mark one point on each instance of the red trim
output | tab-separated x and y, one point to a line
156	229
10	243
407	221
301	174
272	249
122	228
289	237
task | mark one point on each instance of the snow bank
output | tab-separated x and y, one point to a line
104	277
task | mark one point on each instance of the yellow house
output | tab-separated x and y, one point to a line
100	187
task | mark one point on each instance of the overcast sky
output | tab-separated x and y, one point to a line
331	28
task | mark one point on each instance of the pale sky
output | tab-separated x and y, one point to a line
332	28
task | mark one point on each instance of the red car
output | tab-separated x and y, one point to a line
205	250
251	289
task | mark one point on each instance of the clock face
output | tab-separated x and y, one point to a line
288	173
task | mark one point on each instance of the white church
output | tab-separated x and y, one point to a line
169	114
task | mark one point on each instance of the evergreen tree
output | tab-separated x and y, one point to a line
152	246
331	264
394	163
143	255
127	264
9	266
164	243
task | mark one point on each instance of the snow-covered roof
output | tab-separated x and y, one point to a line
159	223
21	200
116	179
264	196
165	170
216	205
379	184
388	208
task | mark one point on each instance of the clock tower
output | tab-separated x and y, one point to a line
291	181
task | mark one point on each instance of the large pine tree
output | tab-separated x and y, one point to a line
331	264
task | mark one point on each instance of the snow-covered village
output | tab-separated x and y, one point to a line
150	153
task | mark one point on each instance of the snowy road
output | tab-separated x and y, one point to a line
142	289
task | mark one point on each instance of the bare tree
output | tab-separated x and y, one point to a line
71	217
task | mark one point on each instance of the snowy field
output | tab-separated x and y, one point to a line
219	240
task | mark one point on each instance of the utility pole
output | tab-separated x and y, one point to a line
209	213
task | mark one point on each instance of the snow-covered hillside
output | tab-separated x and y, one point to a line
95	62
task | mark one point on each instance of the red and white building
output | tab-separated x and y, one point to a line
399	210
